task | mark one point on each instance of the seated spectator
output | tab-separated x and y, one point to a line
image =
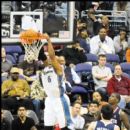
119	84
93	113
54	22
101	43
37	95
70	75
74	53
6	65
78	120
119	117
29	67
78	98
104	24
101	74
15	91
128	54
80	25
22	122
91	19
120	43
97	96
84	39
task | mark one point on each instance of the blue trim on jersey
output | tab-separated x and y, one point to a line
66	110
101	126
61	88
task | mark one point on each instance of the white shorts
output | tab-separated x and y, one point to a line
57	111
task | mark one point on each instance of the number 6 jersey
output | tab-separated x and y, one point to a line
52	83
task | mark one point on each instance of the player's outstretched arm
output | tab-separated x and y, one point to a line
53	58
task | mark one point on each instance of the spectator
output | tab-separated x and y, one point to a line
37	95
29	67
120	43
70	74
6	65
74	54
56	23
128	54
76	118
119	116
80	25
119	84
91	19
84	39
97	96
78	98
93	113
105	122
22	122
15	91
101	43
104	24
101	74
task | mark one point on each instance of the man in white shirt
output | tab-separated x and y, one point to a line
101	44
78	120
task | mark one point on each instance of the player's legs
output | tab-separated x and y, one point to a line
63	112
49	114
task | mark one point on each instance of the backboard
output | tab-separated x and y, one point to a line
56	20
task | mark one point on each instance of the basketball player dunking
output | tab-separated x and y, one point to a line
56	103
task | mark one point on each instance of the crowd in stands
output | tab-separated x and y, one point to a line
23	93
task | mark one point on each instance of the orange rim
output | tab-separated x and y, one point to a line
29	36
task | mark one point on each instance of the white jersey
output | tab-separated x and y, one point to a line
52	83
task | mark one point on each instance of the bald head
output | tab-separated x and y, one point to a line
118	71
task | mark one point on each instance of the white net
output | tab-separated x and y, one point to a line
33	48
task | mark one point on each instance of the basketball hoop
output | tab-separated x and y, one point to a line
32	42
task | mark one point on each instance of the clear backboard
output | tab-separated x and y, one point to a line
54	18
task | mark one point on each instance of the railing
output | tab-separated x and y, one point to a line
115	17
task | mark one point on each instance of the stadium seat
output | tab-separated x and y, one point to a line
82	91
92	58
11	58
125	67
83	67
110	66
113	58
78	89
126	75
13	49
21	58
84	70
